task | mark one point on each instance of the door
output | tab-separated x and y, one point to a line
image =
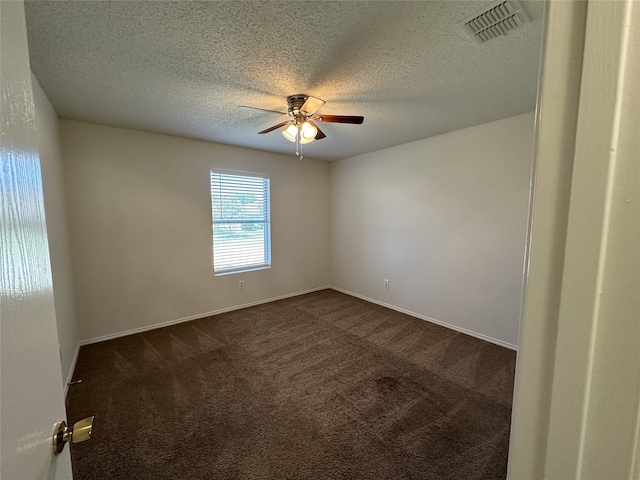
31	394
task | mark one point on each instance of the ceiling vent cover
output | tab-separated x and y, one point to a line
497	19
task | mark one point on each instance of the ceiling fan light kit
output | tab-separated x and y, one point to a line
307	132
291	133
300	128
304	132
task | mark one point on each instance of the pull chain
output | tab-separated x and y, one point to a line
298	145
298	142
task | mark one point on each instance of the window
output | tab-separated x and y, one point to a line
241	223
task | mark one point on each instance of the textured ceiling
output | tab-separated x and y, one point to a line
182	68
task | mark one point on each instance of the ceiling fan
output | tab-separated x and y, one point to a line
301	126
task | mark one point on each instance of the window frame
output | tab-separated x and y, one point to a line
266	222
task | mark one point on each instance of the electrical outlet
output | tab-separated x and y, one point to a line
241	285
386	283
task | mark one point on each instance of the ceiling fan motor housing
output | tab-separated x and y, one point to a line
295	103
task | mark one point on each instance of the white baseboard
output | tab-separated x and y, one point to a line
267	300
432	320
192	317
72	368
273	299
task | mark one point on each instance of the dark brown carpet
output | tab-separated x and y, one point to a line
319	386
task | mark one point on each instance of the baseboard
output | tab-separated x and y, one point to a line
273	299
72	368
192	317
432	320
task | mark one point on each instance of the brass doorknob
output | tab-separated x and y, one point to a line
81	432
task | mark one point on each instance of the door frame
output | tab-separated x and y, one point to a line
576	403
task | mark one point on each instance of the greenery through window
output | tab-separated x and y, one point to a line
241	223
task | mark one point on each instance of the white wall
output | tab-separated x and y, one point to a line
140	223
47	130
444	219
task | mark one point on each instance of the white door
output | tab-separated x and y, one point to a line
31	394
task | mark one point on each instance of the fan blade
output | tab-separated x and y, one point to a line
271	129
339	119
311	105
320	135
263	109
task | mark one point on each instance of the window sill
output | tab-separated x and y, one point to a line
243	270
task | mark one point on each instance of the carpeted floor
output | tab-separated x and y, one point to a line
319	386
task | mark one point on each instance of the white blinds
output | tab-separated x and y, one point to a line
241	223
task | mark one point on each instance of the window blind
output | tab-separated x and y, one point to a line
241	223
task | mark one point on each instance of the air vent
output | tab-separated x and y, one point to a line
497	19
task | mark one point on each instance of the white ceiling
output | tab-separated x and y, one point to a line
182	68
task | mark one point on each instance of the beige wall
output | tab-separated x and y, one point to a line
444	219
47	130
140	223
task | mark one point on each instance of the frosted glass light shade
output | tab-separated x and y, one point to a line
307	133
290	133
